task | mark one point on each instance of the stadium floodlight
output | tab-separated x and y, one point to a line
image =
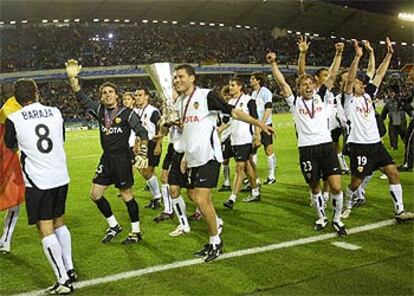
76	20
289	31
211	24
44	21
202	23
409	17
174	22
95	20
55	21
116	20
307	34
247	27
404	43
192	23
66	20
12	22
333	37
1	22
393	43
106	20
238	26
145	21
221	25
25	21
110	35
315	35
382	42
298	33
126	20
165	22
155	21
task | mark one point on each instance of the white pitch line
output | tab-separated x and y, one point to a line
346	246
251	251
84	156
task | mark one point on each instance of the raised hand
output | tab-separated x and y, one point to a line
390	49
367	46
303	45
339	47
271	57
358	49
141	159
72	68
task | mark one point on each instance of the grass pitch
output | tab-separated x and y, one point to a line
383	266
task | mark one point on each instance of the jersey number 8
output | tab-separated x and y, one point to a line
44	144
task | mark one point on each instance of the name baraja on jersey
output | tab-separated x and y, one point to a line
37	114
306	112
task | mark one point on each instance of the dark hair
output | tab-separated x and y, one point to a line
105	84
7	90
25	90
188	69
259	76
319	71
146	91
238	81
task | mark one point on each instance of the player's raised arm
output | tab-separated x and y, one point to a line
280	79
382	69
303	47
371	60
353	68
333	70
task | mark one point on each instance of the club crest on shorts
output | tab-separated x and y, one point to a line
308	175
360	169
196	105
117	120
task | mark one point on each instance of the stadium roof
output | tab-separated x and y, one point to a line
313	16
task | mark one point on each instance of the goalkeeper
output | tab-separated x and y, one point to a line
115	125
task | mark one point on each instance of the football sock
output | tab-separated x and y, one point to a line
104	207
53	252
318	204
154	187
166	199
65	241
133	210
9	224
337	203
397	198
254	158
349	194
226	174
271	163
180	212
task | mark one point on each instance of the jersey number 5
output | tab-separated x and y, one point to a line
44	144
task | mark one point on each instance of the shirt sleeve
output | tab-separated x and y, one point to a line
10	135
90	105
268	99
251	105
136	126
216	103
289	100
155	117
323	93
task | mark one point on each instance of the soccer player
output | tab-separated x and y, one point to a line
316	152
367	152
149	116
38	132
242	138
263	97
115	125
12	183
198	110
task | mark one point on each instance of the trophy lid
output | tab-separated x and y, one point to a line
162	75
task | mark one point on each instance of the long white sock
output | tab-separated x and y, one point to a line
318	204
180	212
9	224
366	180
397	197
348	197
154	187
255	191
271	163
53	252
226	175
166	198
233	197
254	158
341	160
112	221
215	240
65	241
135	227
337	204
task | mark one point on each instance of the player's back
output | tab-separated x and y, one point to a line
40	135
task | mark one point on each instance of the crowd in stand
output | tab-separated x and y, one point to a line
48	47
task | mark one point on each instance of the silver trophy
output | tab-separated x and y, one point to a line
161	75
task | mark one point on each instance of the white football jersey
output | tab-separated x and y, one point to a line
361	113
311	119
199	136
241	132
39	133
145	115
226	133
336	112
263	96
